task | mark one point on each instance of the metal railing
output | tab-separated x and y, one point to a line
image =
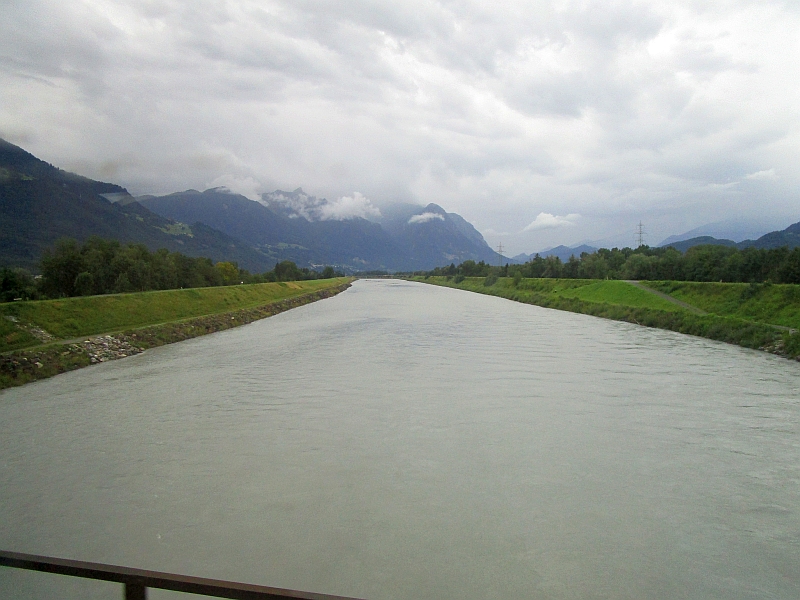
136	581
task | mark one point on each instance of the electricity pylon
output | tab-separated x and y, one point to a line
640	235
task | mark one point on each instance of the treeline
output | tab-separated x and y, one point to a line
101	266
699	263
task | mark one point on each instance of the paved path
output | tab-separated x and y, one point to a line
667	297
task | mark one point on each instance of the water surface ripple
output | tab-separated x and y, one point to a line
403	441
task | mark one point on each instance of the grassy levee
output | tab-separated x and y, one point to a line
622	301
611	292
91	315
12	337
760	302
134	322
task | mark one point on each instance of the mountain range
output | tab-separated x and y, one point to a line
292	226
775	239
736	230
562	252
40	203
789	237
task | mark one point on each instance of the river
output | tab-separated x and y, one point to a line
405	441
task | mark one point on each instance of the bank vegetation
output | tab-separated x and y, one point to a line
43	338
759	316
102	266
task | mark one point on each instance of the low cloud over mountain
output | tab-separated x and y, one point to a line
348	232
549	221
425	217
299	204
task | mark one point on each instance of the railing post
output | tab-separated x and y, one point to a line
135	591
136	581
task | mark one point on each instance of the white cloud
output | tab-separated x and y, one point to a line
311	208
425	217
548	221
349	207
296	204
621	110
763	175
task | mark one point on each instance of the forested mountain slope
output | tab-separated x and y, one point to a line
40	203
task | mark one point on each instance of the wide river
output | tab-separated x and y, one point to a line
410	442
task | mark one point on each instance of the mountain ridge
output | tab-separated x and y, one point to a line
562	252
789	237
305	229
40	203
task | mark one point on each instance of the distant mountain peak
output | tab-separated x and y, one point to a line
48	203
435	208
221	189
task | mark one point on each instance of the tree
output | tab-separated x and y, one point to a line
287	271
639	266
553	267
571	268
60	267
16	284
84	284
593	266
105	266
229	272
790	271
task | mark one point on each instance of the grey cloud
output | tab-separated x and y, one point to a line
500	113
565	94
609	24
70	42
299	204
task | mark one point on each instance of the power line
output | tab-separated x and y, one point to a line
500	252
640	235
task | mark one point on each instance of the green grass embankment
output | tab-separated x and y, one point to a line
12	337
91	315
623	301
759	302
134	322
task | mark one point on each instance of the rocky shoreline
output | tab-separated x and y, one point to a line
23	366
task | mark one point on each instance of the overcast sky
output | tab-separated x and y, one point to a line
541	122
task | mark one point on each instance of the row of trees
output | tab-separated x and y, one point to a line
101	266
700	263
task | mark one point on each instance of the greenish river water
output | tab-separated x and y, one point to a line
404	441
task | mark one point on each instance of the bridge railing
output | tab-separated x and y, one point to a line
137	581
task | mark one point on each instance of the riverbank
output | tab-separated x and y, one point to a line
46	356
624	301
